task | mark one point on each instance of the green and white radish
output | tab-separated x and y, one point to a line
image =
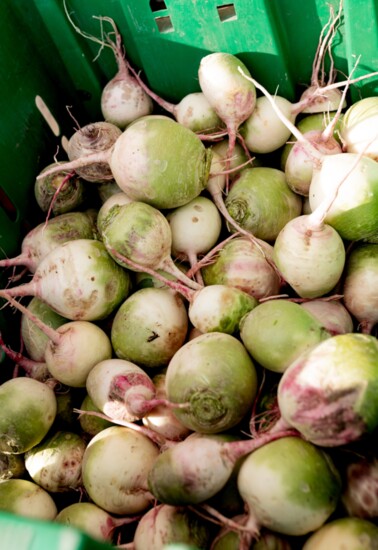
34	339
73	349
62	192
55	463
241	264
172	527
79	280
91	424
122	99
328	394
26	499
46	236
359	289
289	486
350	180
232	97
219	308
160	162
359	128
149	327
332	314
263	131
117	199
27	411
344	533
139	234
122	488
261	202
360	498
92	520
216	379
292	329
310	254
192	471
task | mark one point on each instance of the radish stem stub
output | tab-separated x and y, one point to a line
329	394
214	374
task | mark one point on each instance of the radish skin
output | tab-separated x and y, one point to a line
121	489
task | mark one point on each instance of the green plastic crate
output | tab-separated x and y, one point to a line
33	534
42	58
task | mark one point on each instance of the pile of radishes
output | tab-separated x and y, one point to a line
198	363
